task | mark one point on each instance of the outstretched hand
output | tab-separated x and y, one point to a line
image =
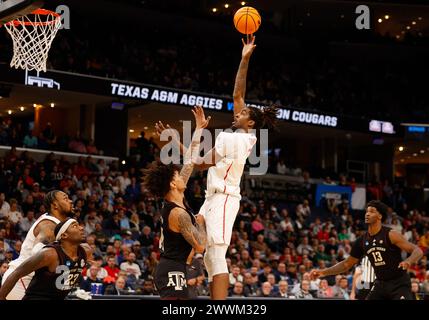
315	273
160	127
248	46
200	118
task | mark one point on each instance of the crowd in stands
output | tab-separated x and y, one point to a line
18	134
300	78
297	77
274	244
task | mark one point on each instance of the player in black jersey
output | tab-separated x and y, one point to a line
182	233
57	266
383	248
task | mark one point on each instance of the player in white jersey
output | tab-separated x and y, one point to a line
226	163
59	207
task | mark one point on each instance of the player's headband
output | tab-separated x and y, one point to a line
63	228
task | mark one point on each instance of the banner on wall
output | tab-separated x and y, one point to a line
337	193
359	199
127	90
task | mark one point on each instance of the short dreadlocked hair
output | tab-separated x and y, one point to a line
265	118
50	197
158	177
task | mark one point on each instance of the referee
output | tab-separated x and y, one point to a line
363	280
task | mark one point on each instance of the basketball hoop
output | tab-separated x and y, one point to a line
32	37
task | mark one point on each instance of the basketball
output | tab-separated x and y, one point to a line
247	20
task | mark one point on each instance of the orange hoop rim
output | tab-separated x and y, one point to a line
41	12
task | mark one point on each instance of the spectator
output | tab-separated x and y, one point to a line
415	289
266	290
304	292
4	206
130	267
3	268
148	288
92	277
304	247
91	148
283	290
77	145
235	276
250	285
26	223
30	140
342	292
237	290
425	284
325	291
111	268
424	241
49	136
118	289
14	215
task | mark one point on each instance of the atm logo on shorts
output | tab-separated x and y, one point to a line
177	280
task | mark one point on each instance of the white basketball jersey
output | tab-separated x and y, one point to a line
28	244
225	176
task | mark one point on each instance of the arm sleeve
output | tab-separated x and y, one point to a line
357	249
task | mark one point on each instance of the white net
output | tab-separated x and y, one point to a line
32	37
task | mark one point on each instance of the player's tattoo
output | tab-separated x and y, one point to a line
240	80
195	235
186	172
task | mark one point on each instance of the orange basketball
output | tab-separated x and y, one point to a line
247	20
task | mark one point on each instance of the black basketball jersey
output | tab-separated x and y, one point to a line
383	255
57	285
172	244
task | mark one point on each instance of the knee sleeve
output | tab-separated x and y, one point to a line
215	261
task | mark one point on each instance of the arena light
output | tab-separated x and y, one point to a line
414	154
243	3
413	23
422	151
214	9
21	108
226	5
145	128
401	148
9	111
124	162
52	105
380	20
131	130
34	105
419	18
386	17
408	27
398	36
